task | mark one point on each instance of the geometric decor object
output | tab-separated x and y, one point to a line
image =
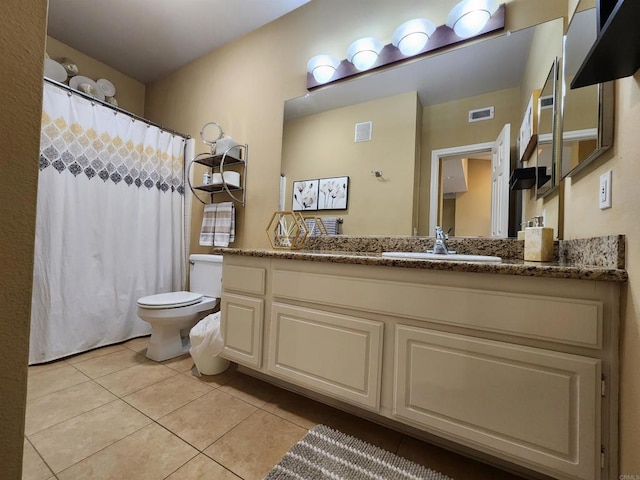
287	230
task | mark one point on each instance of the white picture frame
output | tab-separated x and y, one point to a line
333	193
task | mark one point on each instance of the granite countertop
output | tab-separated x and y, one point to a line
599	259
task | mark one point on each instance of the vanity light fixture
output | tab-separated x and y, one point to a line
364	52
412	36
469	17
323	67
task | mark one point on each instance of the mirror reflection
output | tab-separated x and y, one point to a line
414	110
547	127
587	111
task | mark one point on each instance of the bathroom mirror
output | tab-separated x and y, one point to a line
587	124
457	98
546	150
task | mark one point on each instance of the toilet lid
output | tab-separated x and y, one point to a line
171	299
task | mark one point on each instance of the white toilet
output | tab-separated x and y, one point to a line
172	315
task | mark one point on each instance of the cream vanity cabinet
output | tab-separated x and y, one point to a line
523	369
242	310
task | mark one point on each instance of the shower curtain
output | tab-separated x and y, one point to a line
108	225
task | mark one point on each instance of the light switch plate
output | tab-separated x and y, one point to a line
604	195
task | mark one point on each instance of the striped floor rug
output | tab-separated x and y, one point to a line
324	453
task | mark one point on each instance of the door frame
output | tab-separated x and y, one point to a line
436	156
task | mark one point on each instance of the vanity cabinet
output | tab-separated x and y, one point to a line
522	369
339	355
526	403
242	312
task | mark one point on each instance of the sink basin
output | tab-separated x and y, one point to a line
452	257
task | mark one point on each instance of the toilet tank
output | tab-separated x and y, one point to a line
205	275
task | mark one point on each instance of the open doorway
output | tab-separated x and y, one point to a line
466	195
499	152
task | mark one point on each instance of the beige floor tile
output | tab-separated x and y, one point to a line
449	463
300	410
151	453
365	430
53	380
129	380
45	367
206	419
202	468
256	445
56	407
98	352
182	364
164	397
251	390
215	381
68	442
112	362
139	344
33	467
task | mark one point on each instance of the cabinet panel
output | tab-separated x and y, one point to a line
335	354
525	403
241	323
569	321
244	279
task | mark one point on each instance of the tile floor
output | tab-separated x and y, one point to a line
113	414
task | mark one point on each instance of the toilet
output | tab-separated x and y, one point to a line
172	315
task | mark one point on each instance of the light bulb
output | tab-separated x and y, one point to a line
323	67
469	17
412	36
363	53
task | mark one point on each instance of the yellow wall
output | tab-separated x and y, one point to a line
21	98
473	208
322	145
583	218
129	92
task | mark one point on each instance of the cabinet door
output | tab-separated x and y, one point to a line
335	354
519	403
241	323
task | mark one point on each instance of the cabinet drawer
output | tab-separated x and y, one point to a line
556	319
244	279
241	324
523	403
334	354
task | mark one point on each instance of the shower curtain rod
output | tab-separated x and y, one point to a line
113	107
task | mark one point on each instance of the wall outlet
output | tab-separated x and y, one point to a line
604	195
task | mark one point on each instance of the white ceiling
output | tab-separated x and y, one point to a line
147	39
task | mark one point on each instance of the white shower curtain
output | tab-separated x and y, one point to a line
108	225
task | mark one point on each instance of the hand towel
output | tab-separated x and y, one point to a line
218	224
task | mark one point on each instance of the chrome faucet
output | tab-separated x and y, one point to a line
440	246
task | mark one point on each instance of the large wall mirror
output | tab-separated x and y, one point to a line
548	128
450	100
587	111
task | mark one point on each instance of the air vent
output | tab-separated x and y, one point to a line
481	114
546	102
363	131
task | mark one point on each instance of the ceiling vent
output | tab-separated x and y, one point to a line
481	114
363	131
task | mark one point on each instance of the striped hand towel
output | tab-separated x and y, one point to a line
218	225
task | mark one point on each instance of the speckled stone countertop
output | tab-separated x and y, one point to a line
599	258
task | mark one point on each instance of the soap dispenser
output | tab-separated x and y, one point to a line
538	242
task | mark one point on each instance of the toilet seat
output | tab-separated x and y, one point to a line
170	300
